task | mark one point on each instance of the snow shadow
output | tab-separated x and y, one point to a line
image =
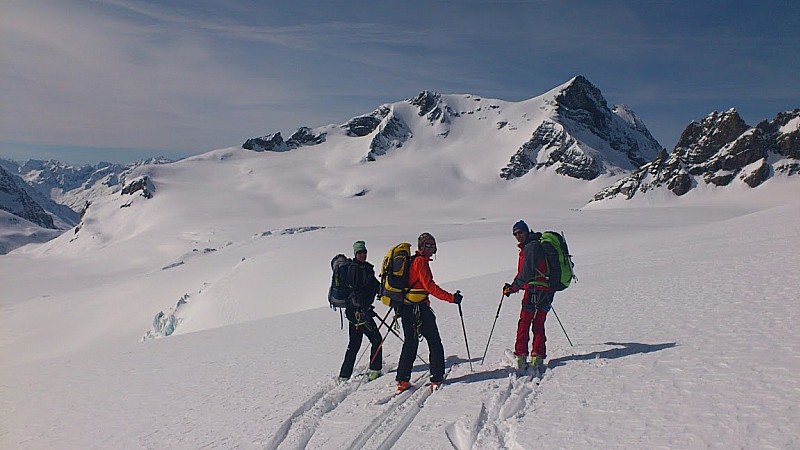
474	377
624	349
627	349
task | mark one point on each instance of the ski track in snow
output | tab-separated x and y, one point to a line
492	428
299	428
395	419
382	431
297	431
493	425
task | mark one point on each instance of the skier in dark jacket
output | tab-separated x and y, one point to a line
536	300
360	314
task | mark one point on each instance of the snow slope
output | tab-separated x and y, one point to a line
682	319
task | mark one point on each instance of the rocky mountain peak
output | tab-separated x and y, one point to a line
426	101
718	150
701	140
16	200
584	138
581	100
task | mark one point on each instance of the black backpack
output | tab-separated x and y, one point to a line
347	280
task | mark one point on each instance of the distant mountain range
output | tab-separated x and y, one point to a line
568	132
52	194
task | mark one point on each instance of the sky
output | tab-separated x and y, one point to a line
121	80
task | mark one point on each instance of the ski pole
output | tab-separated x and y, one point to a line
562	327
492	332
403	340
469	358
379	329
383	322
377	350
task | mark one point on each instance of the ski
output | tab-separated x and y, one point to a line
526	370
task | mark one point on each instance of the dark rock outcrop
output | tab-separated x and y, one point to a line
581	111
304	136
15	199
141	184
364	125
718	150
392	134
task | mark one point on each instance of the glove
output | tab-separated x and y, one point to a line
457	297
507	289
369	313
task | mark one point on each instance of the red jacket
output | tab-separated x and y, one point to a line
420	279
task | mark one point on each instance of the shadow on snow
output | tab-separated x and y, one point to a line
623	349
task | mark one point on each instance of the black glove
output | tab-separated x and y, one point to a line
457	297
369	313
507	290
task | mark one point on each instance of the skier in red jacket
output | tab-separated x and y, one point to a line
536	300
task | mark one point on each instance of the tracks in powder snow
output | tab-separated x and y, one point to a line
387	428
492	427
392	415
299	428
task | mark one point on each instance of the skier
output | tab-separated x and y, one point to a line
418	317
536	300
360	314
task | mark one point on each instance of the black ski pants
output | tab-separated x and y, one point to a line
358	328
419	320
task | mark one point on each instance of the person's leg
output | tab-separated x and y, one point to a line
523	331
376	353
539	338
410	343
352	351
430	331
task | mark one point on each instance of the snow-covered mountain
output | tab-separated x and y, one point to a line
22	218
73	185
16	200
721	150
62	191
569	130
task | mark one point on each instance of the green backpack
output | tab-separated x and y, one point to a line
559	262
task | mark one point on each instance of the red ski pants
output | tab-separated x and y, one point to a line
531	320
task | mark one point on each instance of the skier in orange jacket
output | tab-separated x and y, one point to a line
418	317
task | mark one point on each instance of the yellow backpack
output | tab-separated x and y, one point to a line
394	275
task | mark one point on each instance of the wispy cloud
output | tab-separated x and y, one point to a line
197	75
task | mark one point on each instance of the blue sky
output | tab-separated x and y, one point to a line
119	80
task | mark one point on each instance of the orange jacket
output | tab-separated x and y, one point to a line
421	278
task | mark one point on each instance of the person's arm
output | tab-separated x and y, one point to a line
528	270
426	279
